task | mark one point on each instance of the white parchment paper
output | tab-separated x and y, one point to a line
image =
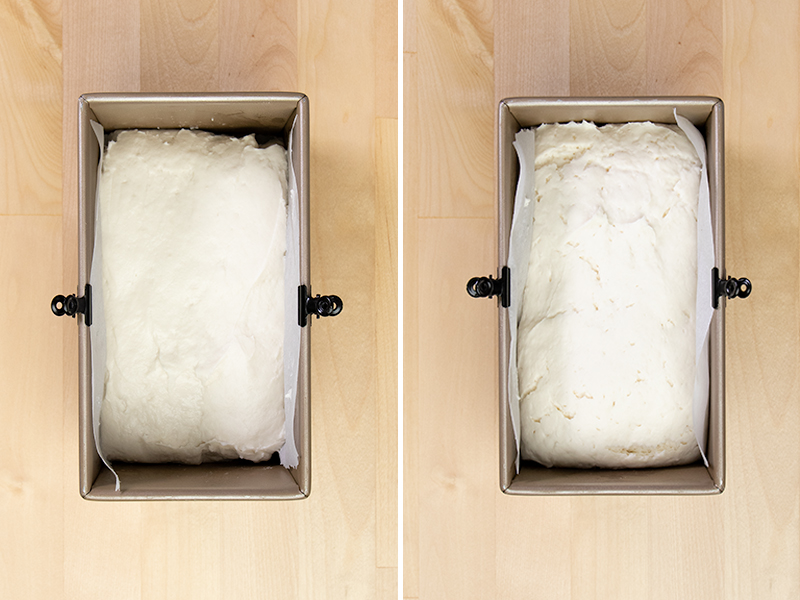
291	332
98	327
519	257
704	310
519	251
291	342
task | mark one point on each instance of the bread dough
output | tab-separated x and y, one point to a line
193	230
606	338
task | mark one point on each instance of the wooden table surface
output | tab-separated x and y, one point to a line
339	543
463	538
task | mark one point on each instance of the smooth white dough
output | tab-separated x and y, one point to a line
193	242
606	337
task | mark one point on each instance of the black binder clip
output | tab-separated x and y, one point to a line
71	305
319	306
487	287
729	288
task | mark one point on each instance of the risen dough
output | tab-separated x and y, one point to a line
193	241
606	338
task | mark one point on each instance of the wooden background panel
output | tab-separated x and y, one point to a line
343	217
339	543
179	45
537	35
30	91
607	48
263	49
684	48
386	302
410	416
761	65
452	444
385	41
31	464
742	544
31	410
454	60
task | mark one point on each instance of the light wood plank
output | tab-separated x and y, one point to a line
761	66
531	48
449	172
182	537
608	49
535	546
31	464
409	29
387	583
102	543
258	46
386	59
338	75
684	48
386	342
260	547
458	437
30	91
454	99
179	46
410	375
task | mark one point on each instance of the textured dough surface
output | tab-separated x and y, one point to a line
606	338
193	241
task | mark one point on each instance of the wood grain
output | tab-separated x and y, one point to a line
760	75
179	45
608	48
411	263
454	100
742	544
30	90
386	58
341	542
259	51
532	56
343	225
386	301
684	48
31	464
457	430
